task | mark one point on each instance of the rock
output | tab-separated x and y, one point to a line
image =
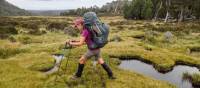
168	36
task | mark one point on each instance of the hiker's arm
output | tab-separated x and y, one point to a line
78	43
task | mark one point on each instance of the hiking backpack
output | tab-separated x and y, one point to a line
98	30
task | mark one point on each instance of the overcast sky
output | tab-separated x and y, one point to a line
56	4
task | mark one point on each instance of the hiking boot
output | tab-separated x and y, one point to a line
79	70
112	77
108	70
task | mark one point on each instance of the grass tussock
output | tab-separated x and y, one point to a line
8	49
194	78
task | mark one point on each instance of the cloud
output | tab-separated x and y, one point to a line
43	0
56	4
40	0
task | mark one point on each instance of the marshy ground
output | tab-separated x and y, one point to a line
27	46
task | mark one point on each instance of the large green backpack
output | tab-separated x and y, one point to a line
98	30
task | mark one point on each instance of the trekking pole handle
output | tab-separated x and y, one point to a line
67	45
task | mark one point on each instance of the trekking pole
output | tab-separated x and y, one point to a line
67	46
57	74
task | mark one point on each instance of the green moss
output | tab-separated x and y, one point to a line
13	76
36	61
9	49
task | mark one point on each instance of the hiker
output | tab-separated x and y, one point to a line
86	37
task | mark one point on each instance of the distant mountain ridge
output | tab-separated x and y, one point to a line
47	12
7	9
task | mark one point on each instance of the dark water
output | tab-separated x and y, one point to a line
174	77
58	59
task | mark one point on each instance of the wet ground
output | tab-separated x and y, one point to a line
58	58
174	77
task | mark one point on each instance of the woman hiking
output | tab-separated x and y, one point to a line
86	37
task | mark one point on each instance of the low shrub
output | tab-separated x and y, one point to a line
30	25
6	31
5	21
12	39
150	36
24	39
31	28
119	23
120	27
53	26
10	50
116	38
71	31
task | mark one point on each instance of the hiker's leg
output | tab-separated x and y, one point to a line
82	61
101	61
103	64
106	67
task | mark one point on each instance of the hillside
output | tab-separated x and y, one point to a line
46	12
7	9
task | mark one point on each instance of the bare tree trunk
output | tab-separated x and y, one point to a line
116	8
181	17
167	17
156	14
168	4
190	13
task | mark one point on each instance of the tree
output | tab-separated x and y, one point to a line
157	6
147	10
126	10
117	6
196	9
138	9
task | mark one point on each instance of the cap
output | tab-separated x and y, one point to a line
78	21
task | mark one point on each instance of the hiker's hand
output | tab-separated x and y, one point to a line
68	45
71	42
67	42
74	41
